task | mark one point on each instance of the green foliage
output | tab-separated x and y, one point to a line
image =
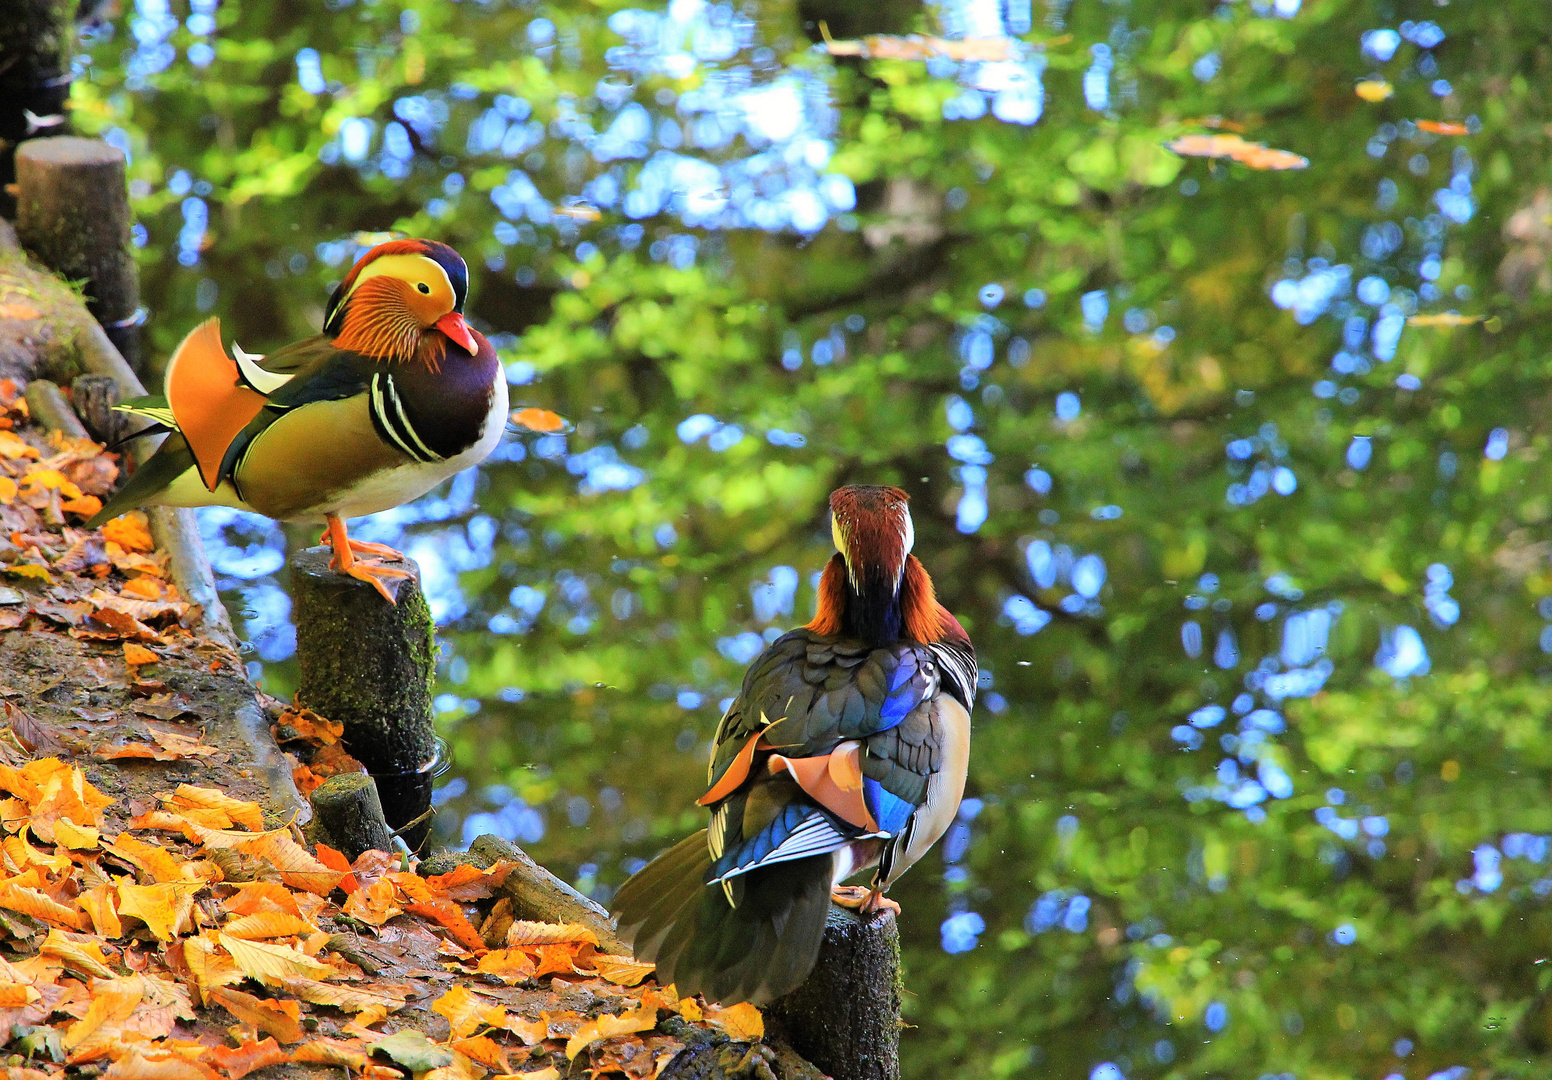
1327	931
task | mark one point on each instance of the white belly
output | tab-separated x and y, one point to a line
388	488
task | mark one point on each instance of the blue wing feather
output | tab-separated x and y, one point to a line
889	810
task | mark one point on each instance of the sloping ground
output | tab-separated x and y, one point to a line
160	916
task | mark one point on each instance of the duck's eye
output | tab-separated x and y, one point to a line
423	287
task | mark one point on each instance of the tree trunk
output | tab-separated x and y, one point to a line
35	37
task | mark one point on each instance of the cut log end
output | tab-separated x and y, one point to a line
348	816
540	896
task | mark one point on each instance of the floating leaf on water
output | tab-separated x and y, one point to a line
1254	154
1444	318
1442	127
1374	90
541	420
578	212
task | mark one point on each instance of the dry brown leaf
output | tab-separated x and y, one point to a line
282	1019
170	746
113	1001
310	726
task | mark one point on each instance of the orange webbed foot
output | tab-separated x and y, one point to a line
862	900
365	548
375	574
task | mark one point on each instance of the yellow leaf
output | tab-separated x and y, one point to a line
50	480
14	446
112	1002
30	570
208	967
99	905
32	902
155	861
131	532
643	1018
79	952
538	933
466	1012
164	908
8	489
75	837
271	963
269	924
247	814
1443	318
378	1000
620	970
742	1022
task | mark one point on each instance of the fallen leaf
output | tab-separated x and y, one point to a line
164	908
310	726
282	1019
30	570
642	1018
239	1061
158	862
75	837
1256	155
466	1012
531	1032
170	746
256	896
538	933
360	998
79	953
247	814
486	1051
208	967
100	905
132	531
620	970
32	902
142	1063
18	309
513	963
1374	90
413	1050
268	924
138	654
112	1001
319	1051
268	962
374	904
743	1022
448	914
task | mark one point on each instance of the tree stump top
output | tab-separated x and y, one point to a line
70	150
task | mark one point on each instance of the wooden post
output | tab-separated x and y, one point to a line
846	1017
369	665
48	406
348	816
73	214
94	397
35	40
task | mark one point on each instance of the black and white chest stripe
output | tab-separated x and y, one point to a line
393	423
960	669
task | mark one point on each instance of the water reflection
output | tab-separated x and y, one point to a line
1247	541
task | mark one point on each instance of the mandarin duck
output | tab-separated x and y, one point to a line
846	749
397	394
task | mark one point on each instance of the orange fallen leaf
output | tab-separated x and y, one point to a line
282	1019
319	1051
486	1051
113	1001
374	904
1256	155
468	883
29	901
466	1012
170	746
310	726
13	446
374	999
15	995
132	531
239	1061
158	862
138	654
247	814
255	896
85	506
209	967
50	480
449	915
100	905
514	963
1442	127
143	1063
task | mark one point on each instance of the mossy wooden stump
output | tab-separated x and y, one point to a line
369	665
846	1017
73	213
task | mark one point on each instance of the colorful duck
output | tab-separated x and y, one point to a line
846	749
396	395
